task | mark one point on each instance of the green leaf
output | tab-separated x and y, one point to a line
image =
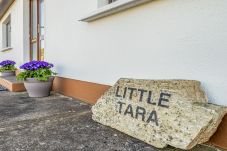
42	74
8	68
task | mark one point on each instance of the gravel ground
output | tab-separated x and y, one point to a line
59	123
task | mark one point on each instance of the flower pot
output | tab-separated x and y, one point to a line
36	88
7	73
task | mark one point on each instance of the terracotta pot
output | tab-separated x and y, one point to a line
36	88
7	73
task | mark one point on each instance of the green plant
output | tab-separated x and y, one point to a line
40	74
7	65
8	68
39	70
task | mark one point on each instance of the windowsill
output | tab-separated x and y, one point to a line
6	49
112	8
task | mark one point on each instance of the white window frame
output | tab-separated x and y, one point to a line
6	34
106	8
111	1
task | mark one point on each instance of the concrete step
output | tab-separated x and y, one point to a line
12	84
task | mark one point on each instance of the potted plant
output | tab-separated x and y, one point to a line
38	78
7	68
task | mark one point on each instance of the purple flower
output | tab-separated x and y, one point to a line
35	65
7	62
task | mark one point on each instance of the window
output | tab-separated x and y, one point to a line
109	7
8	34
6	31
105	2
111	1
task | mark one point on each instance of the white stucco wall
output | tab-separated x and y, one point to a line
19	35
164	39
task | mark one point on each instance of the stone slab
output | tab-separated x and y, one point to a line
160	112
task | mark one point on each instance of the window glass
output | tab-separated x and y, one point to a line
6	32
111	1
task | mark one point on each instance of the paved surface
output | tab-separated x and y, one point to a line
58	123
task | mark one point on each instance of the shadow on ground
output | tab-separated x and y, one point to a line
61	124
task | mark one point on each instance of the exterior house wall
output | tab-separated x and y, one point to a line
19	33
26	45
163	39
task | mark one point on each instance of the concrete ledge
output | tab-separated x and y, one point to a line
113	8
12	84
6	49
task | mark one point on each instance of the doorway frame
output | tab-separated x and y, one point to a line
31	32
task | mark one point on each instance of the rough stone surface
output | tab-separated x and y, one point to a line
58	123
160	112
